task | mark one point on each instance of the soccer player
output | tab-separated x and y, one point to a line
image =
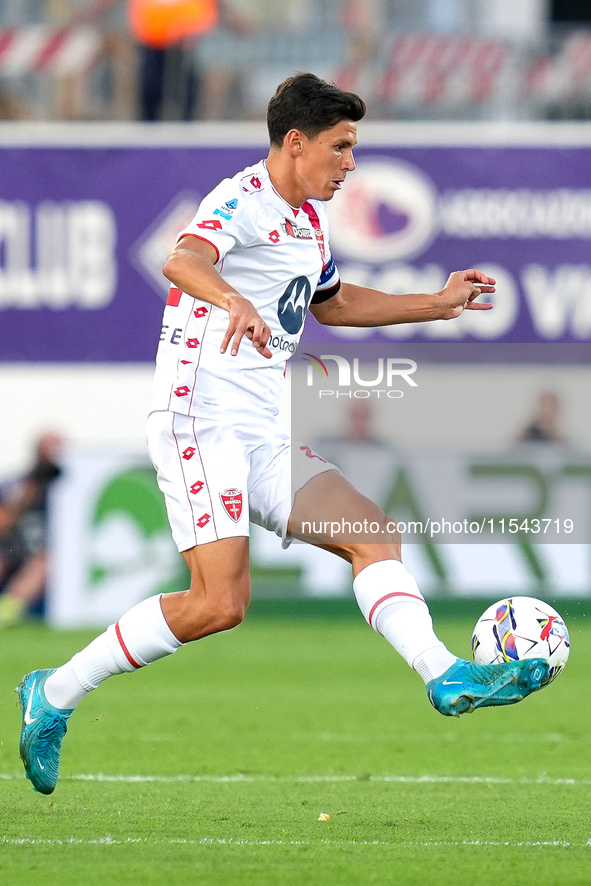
243	275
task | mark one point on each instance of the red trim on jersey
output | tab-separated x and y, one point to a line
388	597
205	240
124	647
312	215
315	222
174	297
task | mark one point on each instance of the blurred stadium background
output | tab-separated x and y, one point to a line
475	151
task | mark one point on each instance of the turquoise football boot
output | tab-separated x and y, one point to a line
466	686
43	730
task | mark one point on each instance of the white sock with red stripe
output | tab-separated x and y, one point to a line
394	607
140	637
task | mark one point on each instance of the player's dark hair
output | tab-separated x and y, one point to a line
307	103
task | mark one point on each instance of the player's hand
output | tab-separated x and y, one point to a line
461	289
245	321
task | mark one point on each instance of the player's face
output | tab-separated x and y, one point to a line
326	160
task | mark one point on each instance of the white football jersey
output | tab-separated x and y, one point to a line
276	256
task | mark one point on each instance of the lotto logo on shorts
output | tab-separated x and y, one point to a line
183	391
200	312
232	502
197	487
192	342
189	452
203	520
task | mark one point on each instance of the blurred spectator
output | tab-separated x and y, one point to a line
166	33
23	533
366	459
543	427
359	427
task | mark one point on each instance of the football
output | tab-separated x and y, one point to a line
518	628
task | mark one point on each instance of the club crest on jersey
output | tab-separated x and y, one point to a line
292	230
232	502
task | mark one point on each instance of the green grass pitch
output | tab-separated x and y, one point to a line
213	766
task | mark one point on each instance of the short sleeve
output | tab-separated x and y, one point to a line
329	283
222	219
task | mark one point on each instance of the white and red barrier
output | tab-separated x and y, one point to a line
428	69
439	72
564	76
44	50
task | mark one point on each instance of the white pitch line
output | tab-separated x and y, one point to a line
212	841
311	779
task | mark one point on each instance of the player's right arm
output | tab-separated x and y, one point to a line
190	267
358	306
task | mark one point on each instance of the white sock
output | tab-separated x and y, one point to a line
394	607
140	637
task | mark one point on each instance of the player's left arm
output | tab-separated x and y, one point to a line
359	306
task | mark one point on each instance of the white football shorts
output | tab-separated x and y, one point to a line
217	476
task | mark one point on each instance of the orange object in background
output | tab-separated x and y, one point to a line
163	23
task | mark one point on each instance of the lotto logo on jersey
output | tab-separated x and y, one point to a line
210	224
232	502
251	184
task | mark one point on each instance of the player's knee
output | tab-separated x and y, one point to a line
376	529
387	532
232	614
227	613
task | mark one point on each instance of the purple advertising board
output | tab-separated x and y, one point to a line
85	229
